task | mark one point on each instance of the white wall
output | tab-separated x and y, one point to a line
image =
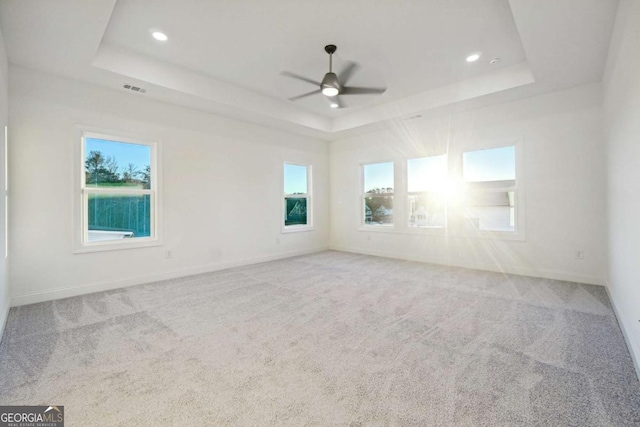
622	126
222	189
561	134
4	119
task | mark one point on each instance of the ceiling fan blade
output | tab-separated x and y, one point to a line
299	77
362	90
304	95
347	72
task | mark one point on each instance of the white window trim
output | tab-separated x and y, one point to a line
391	228
424	229
454	173
308	195
519	193
80	217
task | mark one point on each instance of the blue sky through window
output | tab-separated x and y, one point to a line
494	164
379	175
124	153
295	179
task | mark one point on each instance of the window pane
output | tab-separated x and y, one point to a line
118	216
427	174
378	178
495	164
378	210
427	210
117	164
295	179
295	211
491	211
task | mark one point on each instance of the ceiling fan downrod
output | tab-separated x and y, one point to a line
330	49
330	84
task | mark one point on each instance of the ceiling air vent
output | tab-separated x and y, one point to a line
134	88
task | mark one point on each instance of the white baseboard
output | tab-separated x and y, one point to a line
635	353
4	315
545	274
72	291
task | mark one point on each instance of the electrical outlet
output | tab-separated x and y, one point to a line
368	236
277	241
579	254
168	254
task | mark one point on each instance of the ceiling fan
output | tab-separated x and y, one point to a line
330	86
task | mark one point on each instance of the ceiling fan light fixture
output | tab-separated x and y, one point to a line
330	91
334	105
330	84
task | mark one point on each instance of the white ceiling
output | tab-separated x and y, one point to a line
226	56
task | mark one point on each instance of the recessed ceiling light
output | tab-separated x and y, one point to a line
334	105
473	58
160	36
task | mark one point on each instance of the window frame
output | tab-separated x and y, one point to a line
363	195
425	229
454	202
517	188
82	192
308	196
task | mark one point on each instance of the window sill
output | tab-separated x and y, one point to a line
378	228
296	229
490	235
444	232
115	246
427	230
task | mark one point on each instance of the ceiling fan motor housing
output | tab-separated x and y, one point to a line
330	81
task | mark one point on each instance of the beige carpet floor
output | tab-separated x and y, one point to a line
322	340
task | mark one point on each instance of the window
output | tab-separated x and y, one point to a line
490	180
378	194
118	191
474	193
426	185
297	197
